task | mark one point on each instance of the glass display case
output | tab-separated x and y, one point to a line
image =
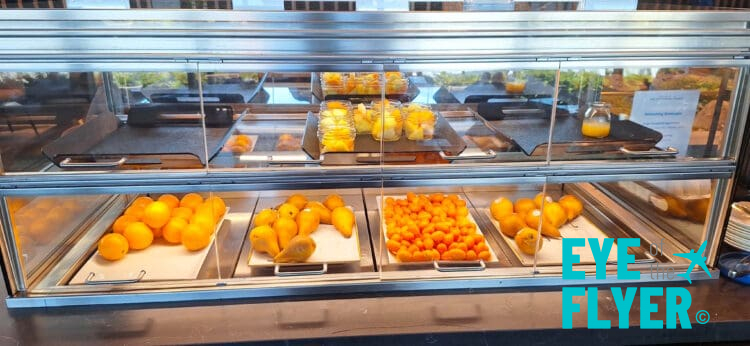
193	155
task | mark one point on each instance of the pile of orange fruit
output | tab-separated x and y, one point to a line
432	227
522	219
190	221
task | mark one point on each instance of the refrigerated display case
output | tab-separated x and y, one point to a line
235	162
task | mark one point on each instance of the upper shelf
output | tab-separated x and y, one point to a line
366	38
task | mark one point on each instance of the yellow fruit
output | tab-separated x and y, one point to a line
524	205
501	208
172	231
288	210
323	212
548	229
532	219
300	248
156	214
171	200
205	209
122	222
218	207
264	239
265	217
135	211
285	229
334	201
511	224
191	200
538	200
204	221
113	246
139	236
572	205
526	240
157	232
308	221
142	201
343	220
554	214
195	238
182	212
297	200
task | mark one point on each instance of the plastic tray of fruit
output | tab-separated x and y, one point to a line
166	239
518	222
363	86
434	228
302	232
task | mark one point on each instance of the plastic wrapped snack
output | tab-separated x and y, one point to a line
420	121
387	122
363	120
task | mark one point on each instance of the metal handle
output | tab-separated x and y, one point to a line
278	272
479	268
484	155
668	151
272	161
68	163
89	280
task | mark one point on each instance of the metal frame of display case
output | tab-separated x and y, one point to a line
230	41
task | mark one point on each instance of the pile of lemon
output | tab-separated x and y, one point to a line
190	221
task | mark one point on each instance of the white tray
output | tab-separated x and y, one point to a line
393	259
551	252
161	261
330	248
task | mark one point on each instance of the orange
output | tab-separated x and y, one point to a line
526	240
501	208
135	211
524	205
511	224
172	232
191	200
218	207
554	214
453	255
142	201
195	238
157	232
122	222
113	246
265	217
297	200
204	221
182	212
139	236
538	200
572	205
334	201
156	214
171	200
288	210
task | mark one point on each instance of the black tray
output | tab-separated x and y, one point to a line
444	139
532	134
105	138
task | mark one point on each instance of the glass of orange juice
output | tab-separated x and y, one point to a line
597	120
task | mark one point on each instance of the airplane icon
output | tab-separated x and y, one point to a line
694	257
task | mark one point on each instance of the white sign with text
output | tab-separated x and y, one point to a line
670	112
